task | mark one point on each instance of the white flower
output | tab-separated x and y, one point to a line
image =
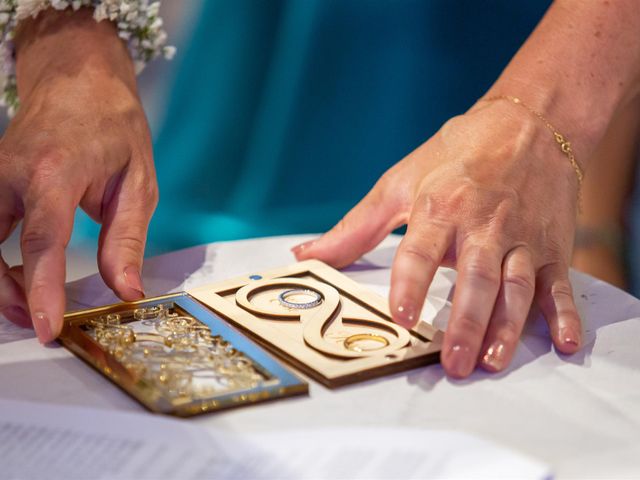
157	24
28	8
60	4
100	13
169	52
154	9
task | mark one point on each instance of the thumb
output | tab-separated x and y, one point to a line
360	231
124	232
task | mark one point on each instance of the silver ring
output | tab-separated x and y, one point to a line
317	298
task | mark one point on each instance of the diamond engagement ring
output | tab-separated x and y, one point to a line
285	298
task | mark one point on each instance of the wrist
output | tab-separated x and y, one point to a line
583	127
521	142
578	68
67	46
563	144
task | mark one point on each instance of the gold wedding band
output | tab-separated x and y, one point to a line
351	341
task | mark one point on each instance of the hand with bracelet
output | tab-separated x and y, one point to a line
495	192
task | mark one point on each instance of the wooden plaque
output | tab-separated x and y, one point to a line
322	322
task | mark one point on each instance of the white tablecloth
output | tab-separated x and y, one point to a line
579	414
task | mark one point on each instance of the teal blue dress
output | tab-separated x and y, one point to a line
283	113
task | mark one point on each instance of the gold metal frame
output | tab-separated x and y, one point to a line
281	383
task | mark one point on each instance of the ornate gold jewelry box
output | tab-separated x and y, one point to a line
202	350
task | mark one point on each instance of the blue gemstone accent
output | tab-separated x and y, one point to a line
256	277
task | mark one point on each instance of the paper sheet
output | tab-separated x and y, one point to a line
45	441
41	441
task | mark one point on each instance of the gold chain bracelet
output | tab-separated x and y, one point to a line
565	145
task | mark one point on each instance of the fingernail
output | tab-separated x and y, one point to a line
17	315
133	280
42	326
406	314
494	358
569	336
459	361
298	249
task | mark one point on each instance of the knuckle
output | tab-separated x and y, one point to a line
46	171
452	128
131	245
503	217
468	325
561	290
392	185
50	161
556	295
420	255
387	178
479	268
442	206
36	240
520	281
138	121
457	199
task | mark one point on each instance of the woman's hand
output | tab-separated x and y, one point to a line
80	138
492	195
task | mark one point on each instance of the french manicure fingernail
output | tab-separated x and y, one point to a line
42	326
298	249
569	336
133	280
406	314
494	358
17	315
459	361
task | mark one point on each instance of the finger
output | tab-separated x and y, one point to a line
17	274
45	233
511	310
477	286
555	298
124	231
414	266
13	303
364	227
